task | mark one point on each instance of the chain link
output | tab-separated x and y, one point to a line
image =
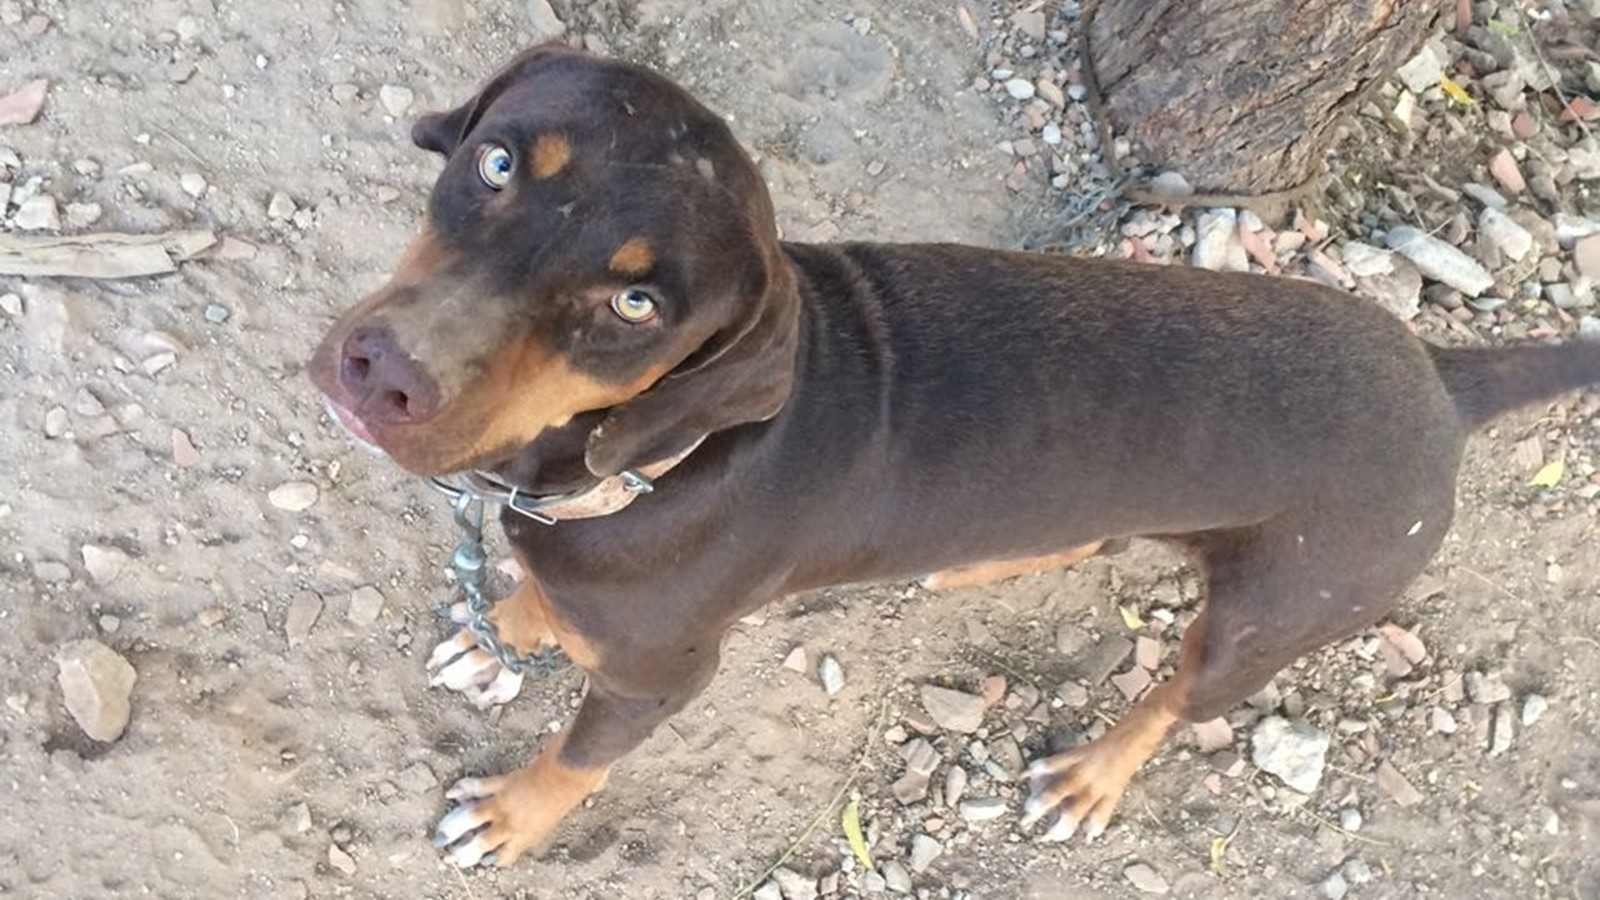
467	561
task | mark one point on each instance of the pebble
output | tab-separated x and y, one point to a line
11	305
366	604
96	684
1356	871
418	778
955	785
37	214
1396	786
873	883
831	674
104	563
1422	71
793	885
1171	184
768	891
924	850
1213	735
1364	260
184	452
302	617
194	184
1586	256
982	809
1503	166
345	93
1534	707
1051	134
1073	695
895	877
1294	751
1350	819
110	624
217	314
396	99
1020	88
1145	879
1051	92
952	710
1506	235
86	404
796	661
546	24
340	860
1487	689
51	572
281	207
293	496
1216	244
1334	887
83	215
1440	720
1484	194
55	422
1440	261
300	818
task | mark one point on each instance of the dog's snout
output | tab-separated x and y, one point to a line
387	384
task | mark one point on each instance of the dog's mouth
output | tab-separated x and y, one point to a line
352	423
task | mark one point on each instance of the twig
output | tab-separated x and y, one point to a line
1490	582
1349	834
805	836
181	145
1566	104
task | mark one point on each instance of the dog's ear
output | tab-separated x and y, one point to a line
443	132
741	376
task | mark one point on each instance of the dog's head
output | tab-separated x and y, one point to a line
597	243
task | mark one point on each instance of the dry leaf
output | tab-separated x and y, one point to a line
1550	475
105	255
1130	617
851	822
1219	853
1455	91
21	106
966	20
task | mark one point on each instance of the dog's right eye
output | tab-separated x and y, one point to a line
495	166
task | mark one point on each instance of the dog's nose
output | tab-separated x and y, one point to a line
387	385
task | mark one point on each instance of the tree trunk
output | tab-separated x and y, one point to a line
1243	96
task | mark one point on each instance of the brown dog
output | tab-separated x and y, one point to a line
599	288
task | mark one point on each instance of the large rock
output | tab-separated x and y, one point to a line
96	684
1293	751
1440	261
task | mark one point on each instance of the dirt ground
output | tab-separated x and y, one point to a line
248	757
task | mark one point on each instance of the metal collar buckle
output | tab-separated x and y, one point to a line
488	489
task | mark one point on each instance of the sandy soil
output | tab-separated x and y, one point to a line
249	757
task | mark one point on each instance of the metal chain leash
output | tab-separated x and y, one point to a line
467	561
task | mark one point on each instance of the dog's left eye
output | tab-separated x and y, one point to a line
634	306
495	166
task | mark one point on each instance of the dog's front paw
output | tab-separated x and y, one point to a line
495	820
459	664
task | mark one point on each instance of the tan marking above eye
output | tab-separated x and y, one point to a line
551	153
633	259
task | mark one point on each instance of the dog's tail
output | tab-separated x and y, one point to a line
1487	382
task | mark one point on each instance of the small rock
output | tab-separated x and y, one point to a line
1350	819
396	99
1440	720
300	818
345	93
96	684
302	617
37	214
1132	683
1030	23
1356	871
1487	689
1503	166
1145	879
194	184
11	305
86	404
873	883
418	778
924	850
366	604
546	24
1171	184
1484	194
795	886
293	496
55	422
1216	243
1294	751
216	313
51	572
1586	256
281	207
796	661
831	674
1051	92
1396	787
982	809
952	710
1020	88
83	215
110	624
1534	707
1334	887
1440	261
1506	235
895	876
340	860
184	452
1005	751
104	563
1213	735
1364	260
955	785
1422	71
921	758
1073	695
768	891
